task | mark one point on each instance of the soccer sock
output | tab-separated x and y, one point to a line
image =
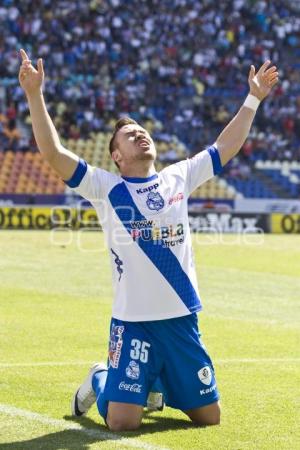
98	384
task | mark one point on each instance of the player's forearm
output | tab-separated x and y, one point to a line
45	134
232	138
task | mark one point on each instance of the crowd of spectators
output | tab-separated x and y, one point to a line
182	62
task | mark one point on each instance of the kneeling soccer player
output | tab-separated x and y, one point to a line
144	214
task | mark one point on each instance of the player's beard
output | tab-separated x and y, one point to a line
148	154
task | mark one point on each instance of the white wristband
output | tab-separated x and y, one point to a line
252	102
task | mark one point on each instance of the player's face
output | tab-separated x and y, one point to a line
134	143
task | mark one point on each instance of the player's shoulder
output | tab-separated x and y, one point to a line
181	167
102	180
104	175
178	169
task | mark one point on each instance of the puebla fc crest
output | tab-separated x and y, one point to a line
155	202
133	370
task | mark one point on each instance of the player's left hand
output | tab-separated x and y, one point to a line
262	82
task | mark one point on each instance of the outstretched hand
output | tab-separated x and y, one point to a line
30	79
262	83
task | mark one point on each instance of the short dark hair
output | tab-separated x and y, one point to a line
119	124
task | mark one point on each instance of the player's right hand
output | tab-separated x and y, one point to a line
31	79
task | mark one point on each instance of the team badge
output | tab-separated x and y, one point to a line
155	201
115	345
133	370
205	375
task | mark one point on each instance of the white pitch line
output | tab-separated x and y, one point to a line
47	363
257	360
88	363
66	425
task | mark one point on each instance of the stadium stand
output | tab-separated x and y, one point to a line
179	63
285	176
27	173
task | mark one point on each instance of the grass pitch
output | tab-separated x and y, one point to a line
55	302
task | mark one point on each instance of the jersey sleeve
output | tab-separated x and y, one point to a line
90	182
202	167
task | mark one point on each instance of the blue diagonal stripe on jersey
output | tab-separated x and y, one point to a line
162	257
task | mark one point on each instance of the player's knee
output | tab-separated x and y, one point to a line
214	419
122	424
206	416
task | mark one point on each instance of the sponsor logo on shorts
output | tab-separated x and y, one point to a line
208	390
137	388
115	345
133	370
205	375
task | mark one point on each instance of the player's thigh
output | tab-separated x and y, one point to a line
206	415
123	416
188	375
133	365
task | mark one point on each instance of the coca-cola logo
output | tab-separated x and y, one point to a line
130	387
176	198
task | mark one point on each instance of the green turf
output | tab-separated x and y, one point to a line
55	307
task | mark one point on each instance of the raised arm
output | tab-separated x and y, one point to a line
236	132
31	80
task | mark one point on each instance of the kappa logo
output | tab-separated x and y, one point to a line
133	370
205	375
155	201
147	189
208	390
118	262
115	345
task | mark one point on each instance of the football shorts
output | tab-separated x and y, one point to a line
168	353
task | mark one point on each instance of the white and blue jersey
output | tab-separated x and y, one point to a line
145	221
